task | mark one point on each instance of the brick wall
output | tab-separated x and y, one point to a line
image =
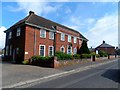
108	50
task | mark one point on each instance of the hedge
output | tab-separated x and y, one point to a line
63	56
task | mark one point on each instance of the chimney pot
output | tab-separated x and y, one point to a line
31	12
103	41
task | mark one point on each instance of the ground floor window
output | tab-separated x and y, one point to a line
51	50
75	50
62	49
10	50
7	48
42	50
69	50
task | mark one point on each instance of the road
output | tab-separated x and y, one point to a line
105	76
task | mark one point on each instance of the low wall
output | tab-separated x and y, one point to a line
61	63
54	63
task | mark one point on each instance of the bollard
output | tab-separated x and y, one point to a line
93	58
108	56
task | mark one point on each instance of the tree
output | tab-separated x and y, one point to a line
84	48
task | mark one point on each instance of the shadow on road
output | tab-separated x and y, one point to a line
113	74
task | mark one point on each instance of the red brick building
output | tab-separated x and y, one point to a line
35	35
106	48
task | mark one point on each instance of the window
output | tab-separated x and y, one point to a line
10	35
62	36
75	50
75	40
62	49
69	38
18	32
51	50
10	50
51	35
17	50
69	49
43	33
7	50
42	50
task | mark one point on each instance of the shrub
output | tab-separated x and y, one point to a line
63	56
34	58
25	62
102	53
93	53
76	56
85	55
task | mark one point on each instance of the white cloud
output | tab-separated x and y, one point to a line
2	36
106	28
37	6
90	21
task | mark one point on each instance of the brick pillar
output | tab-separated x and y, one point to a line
55	62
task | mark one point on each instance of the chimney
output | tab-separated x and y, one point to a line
31	12
103	41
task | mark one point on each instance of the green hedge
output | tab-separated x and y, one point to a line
41	58
63	56
77	56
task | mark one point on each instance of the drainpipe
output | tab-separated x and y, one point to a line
54	40
34	42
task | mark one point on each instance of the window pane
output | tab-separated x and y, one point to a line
69	38
62	36
41	50
42	33
51	51
51	35
18	31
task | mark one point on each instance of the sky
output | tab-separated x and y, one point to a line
97	21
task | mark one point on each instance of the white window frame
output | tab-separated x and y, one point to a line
75	52
75	39
18	31
44	49
10	35
62	36
69	38
51	37
52	50
67	49
61	49
42	34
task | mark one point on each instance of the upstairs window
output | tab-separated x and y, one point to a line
43	33
62	37
18	31
75	40
10	35
51	35
69	38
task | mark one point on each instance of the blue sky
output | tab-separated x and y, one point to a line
97	21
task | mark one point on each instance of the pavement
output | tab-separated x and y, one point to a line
15	75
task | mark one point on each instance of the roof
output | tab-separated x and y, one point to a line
105	45
40	21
